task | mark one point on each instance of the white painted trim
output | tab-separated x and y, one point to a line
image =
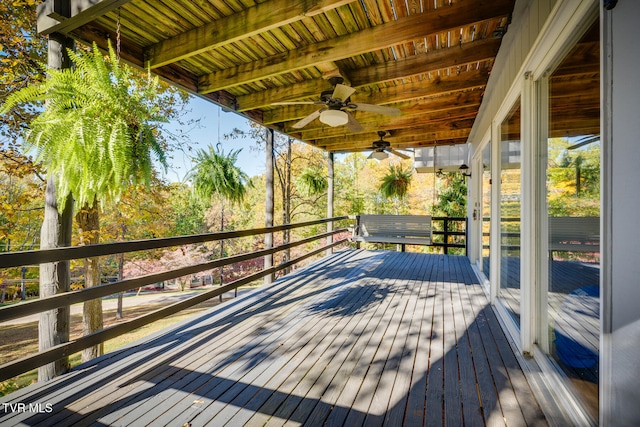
527	219
606	386
476	237
509	324
556	382
494	256
559	34
541	211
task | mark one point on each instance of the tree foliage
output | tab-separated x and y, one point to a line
573	179
452	199
22	59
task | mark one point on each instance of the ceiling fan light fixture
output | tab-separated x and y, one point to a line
334	117
378	155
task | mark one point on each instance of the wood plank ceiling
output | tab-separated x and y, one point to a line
429	58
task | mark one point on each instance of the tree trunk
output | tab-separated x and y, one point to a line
330	194
56	231
268	237
286	204
88	219
53	328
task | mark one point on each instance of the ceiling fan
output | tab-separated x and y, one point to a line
337	107
381	148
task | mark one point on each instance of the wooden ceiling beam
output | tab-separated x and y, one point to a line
409	137
372	122
413	92
247	23
458	55
54	16
401	145
172	74
417	65
358	43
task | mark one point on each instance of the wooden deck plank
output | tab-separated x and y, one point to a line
415	407
360	356
435	372
313	412
485	383
471	408
398	401
350	399
332	392
372	399
193	361
121	388
359	338
314	348
275	403
508	403
216	388
452	399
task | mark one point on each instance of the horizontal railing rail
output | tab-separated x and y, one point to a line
447	233
16	259
17	367
72	297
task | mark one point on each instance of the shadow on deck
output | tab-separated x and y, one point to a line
359	338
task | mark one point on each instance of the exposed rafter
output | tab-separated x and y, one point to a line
431	63
365	41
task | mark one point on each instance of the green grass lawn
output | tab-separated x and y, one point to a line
17	341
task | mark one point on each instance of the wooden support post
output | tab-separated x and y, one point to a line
446	236
269	204
53	328
330	191
357	230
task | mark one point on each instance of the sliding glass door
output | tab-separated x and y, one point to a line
573	211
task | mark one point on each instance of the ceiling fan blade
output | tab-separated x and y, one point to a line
379	109
311	117
342	92
297	103
353	124
398	153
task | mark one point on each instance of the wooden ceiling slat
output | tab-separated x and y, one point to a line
260	18
350	45
471	52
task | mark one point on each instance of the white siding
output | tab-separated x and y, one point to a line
528	19
620	362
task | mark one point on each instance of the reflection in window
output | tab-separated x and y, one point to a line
486	210
510	194
573	209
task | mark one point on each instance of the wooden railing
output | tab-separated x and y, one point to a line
16	259
450	234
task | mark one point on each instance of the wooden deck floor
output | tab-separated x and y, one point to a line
360	338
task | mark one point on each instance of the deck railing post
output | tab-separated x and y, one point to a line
446	235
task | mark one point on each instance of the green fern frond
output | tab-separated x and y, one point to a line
97	132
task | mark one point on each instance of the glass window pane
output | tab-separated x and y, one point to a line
573	210
510	194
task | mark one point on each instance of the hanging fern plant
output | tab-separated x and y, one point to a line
97	133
